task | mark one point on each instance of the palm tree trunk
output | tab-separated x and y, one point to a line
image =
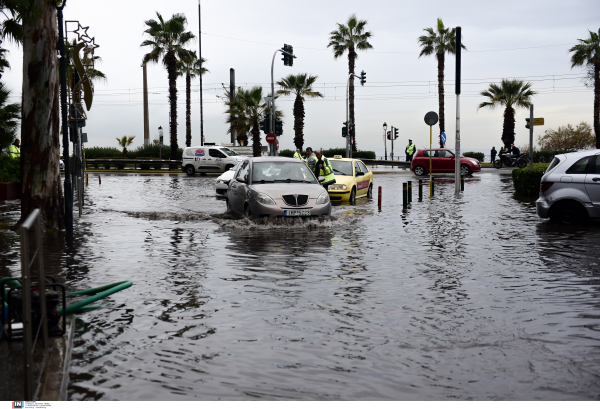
440	58
508	128
40	173
188	121
256	146
597	103
172	72
299	122
351	62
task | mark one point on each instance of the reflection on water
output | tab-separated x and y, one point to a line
453	298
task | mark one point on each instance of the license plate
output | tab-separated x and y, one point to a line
299	212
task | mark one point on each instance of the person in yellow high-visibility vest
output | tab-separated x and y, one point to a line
298	155
410	150
323	168
15	149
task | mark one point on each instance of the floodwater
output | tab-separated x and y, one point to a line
469	298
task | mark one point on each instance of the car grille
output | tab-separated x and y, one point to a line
295	200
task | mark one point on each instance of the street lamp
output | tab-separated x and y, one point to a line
384	136
160	141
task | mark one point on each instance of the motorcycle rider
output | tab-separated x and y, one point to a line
515	152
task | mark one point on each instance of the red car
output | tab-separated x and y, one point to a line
442	161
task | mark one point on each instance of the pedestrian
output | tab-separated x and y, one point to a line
493	153
323	168
298	155
410	150
15	149
514	151
311	158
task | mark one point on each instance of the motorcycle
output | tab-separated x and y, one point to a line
506	160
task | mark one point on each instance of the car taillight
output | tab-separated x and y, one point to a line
545	186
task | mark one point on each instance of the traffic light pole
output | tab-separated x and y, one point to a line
272	146
531	135
457	163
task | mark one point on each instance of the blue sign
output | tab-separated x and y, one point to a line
443	137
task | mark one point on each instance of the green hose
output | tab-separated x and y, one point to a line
81	306
100	292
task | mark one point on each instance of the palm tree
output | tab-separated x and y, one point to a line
125	141
301	85
9	118
191	67
10	28
588	52
440	41
511	94
350	37
168	39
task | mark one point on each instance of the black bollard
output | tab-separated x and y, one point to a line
420	190
431	186
404	195
462	183
409	191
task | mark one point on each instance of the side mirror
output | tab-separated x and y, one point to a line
240	179
360	173
451	156
321	179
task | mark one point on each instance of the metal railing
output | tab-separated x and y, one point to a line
32	223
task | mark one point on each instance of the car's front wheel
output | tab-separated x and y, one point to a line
353	196
419	170
465	170
248	212
569	213
370	192
189	170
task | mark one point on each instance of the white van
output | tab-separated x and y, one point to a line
209	159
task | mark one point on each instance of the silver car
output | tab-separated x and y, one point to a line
570	188
276	186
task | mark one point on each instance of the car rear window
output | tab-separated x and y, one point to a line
580	166
553	164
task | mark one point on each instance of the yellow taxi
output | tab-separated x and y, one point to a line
352	179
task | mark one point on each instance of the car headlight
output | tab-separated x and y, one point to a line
323	199
338	187
264	199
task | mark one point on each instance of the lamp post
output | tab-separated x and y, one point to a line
384	136
160	141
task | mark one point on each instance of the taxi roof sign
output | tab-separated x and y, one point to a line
337	156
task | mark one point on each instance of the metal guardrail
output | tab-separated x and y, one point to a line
381	162
32	223
134	162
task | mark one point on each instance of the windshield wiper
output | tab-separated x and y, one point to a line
288	181
339	172
263	181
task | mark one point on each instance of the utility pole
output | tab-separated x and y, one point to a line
146	126
200	54
232	97
531	135
392	137
457	92
68	194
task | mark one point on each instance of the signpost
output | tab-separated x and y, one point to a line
431	118
270	138
458	47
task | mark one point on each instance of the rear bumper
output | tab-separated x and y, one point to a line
542	207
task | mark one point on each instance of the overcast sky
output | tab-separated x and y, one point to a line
510	39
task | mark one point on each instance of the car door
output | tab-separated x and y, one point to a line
215	159
435	162
237	189
446	160
592	182
360	178
366	178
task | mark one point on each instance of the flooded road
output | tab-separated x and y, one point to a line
456	298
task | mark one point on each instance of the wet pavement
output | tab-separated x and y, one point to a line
456	298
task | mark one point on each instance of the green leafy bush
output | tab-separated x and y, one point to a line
527	180
546	156
104	153
10	169
148	152
330	153
288	153
475	155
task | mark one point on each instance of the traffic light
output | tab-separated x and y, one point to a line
395	133
363	77
389	135
265	125
527	120
351	129
278	127
345	130
288	55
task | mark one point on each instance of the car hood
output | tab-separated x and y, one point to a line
278	189
225	177
343	180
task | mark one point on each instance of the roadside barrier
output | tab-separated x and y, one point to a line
420	190
431	186
379	199
404	195
409	191
99	180
462	183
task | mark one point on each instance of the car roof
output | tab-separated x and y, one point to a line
581	154
211	146
344	159
272	159
435	149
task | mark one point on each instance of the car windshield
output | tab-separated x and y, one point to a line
341	167
282	172
229	152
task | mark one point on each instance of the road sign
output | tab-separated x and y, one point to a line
536	121
277	146
443	137
431	118
270	138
